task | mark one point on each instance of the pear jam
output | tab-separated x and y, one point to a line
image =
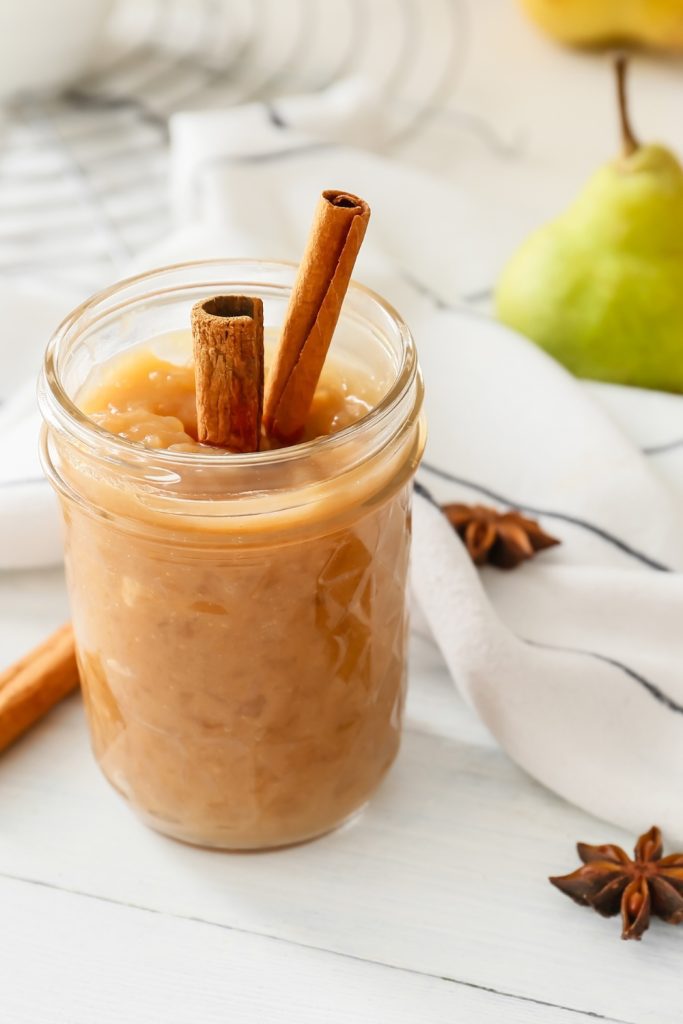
148	399
242	641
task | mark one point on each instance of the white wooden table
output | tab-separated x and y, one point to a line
432	907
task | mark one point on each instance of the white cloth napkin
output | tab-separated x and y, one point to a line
574	660
29	526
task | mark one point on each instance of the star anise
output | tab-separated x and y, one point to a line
610	881
504	539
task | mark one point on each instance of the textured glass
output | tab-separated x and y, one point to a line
249	697
240	620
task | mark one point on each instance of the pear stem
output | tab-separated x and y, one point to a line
629	141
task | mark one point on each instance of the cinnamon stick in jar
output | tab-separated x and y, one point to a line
35	683
322	280
227	341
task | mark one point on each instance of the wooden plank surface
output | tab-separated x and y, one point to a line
73	960
443	877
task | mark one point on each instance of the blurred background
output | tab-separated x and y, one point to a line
472	91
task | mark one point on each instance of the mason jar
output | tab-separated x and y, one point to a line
240	619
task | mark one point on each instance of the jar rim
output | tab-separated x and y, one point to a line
59	409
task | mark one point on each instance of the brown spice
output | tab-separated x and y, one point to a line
610	882
321	283
227	336
504	539
30	687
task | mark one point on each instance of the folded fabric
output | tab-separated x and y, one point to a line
572	660
29	525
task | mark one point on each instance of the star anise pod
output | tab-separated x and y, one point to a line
504	539
610	881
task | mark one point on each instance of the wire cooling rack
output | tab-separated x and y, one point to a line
83	176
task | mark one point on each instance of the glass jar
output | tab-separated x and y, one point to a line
240	620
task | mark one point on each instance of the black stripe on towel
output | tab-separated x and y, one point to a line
661	449
651	688
274	116
424	493
598	531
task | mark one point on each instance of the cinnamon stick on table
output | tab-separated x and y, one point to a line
321	283
30	687
227	336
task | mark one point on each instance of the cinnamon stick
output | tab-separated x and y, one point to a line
35	683
227	335
319	289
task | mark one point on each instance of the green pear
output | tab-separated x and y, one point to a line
601	287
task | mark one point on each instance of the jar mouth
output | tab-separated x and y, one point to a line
59	409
